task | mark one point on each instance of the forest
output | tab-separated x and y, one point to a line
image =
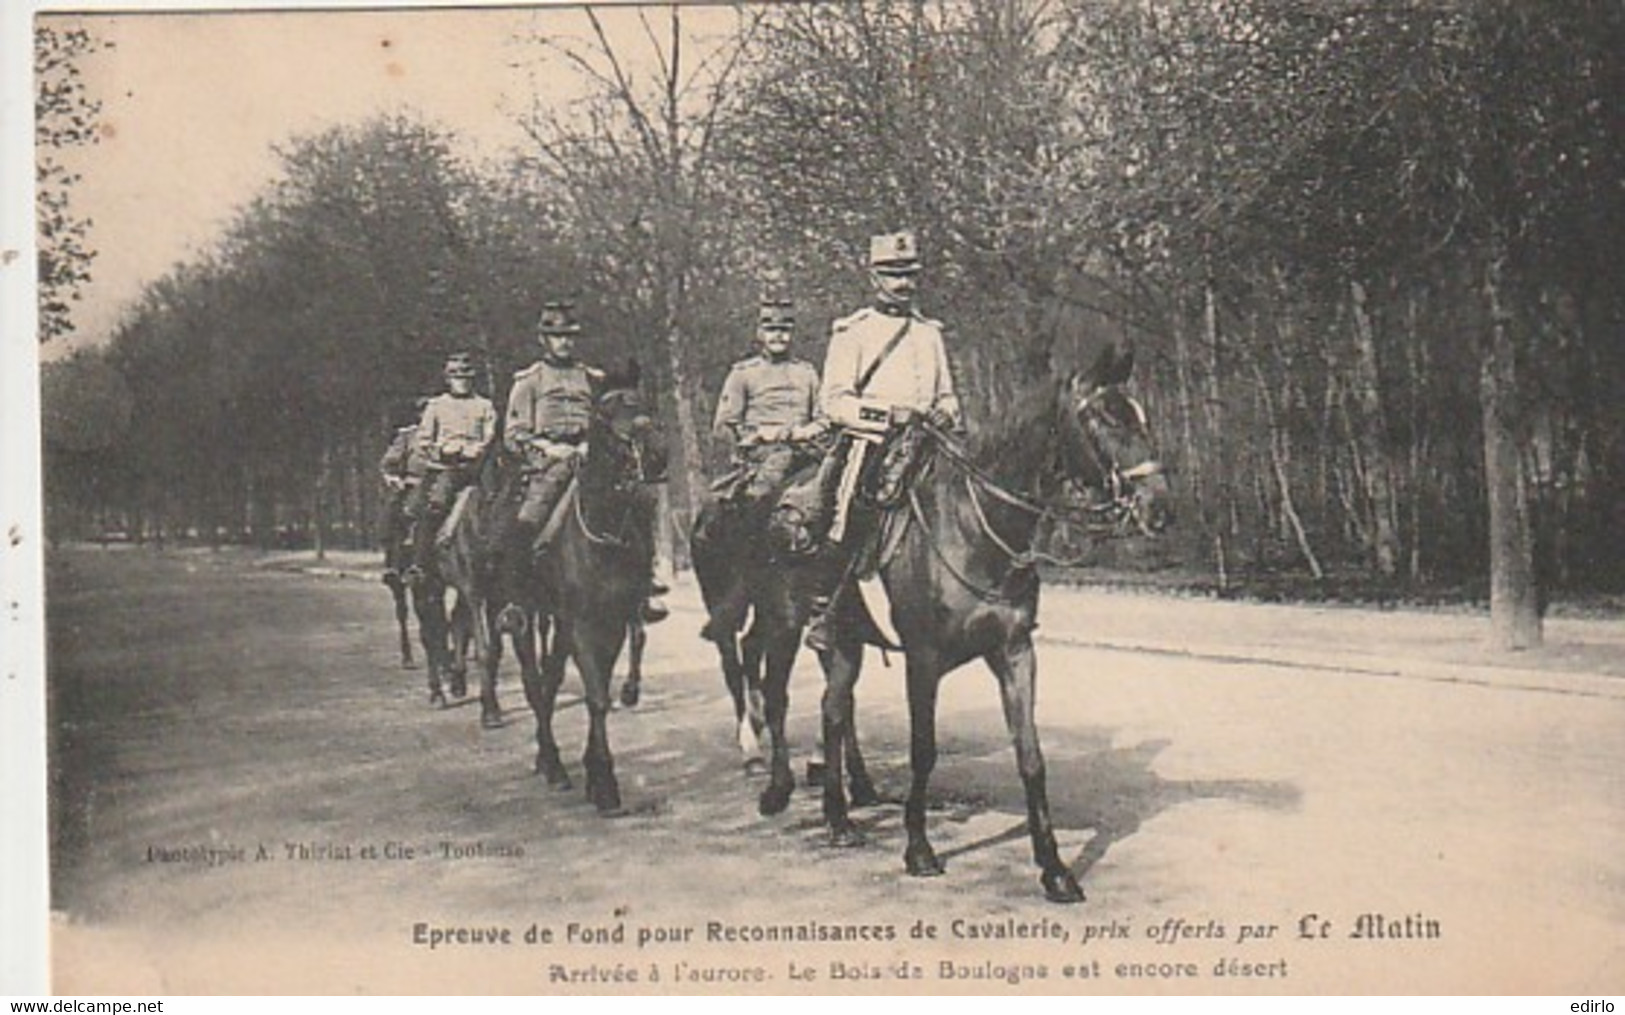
1367	256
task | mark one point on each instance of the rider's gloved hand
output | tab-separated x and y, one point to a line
940	419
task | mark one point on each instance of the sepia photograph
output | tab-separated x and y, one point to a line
997	497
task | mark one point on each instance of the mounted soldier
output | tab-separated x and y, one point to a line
549	409
402	469
769	410
452	435
885	367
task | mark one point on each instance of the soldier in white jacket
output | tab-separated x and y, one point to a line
886	365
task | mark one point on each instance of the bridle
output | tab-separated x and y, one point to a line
1115	517
630	468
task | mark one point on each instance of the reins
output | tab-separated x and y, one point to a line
621	484
1102	519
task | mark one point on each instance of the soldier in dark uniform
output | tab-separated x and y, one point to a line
453	433
549	409
402	469
769	408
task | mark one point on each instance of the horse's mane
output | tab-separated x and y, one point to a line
1018	445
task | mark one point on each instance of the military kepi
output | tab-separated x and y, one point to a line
777	312
895	253
558	318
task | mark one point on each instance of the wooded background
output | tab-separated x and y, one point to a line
1368	256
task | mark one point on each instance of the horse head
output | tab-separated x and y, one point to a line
624	436
1107	446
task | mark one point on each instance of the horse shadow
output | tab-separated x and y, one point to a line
1111	791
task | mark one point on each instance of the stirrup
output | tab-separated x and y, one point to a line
658	588
818	634
511	620
654	611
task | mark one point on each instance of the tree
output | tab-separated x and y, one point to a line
634	169
65	117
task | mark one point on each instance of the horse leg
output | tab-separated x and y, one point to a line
1017	670
858	784
780	657
431	610
924	676
542	692
488	647
841	665
595	650
636	638
733	675
752	710
460	630
397	590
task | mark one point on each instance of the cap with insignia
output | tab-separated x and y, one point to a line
894	253
459	364
558	318
776	311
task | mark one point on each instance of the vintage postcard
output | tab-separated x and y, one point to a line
456	422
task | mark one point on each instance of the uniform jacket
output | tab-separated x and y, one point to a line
549	403
760	393
402	459
914	376
453	426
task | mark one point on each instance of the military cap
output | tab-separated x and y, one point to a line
459	364
894	253
775	309
558	318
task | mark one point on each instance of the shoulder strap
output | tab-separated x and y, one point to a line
885	354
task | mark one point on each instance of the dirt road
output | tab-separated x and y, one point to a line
253	795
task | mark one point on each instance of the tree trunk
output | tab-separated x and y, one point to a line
689	460
1225	525
1379	485
318	512
1280	450
1514	600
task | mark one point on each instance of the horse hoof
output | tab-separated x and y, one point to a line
774	800
629	695
557	777
437	699
407	664
845	837
922	862
815	774
863	795
1061	887
491	721
608	802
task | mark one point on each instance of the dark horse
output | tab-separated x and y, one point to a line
757	609
963	583
444	632
593	578
463	560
